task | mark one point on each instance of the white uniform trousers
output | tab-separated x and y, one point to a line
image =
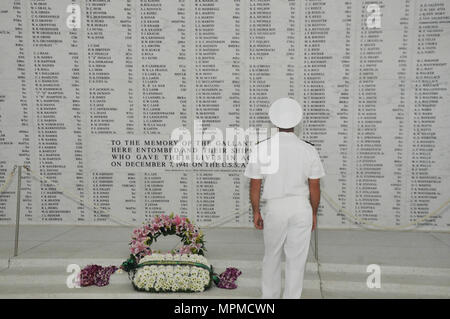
287	224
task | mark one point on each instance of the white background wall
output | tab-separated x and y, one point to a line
375	102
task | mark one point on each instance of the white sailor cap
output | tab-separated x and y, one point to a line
285	113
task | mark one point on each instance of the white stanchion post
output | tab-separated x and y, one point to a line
316	246
16	242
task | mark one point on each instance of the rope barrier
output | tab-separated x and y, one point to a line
353	218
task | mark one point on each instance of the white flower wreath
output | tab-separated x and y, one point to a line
172	273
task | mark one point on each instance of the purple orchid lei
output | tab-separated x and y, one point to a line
228	278
96	275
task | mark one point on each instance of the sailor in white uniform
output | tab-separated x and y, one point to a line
292	194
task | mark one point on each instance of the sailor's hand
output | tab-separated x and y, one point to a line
258	221
314	222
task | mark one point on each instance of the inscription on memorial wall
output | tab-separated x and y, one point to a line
93	107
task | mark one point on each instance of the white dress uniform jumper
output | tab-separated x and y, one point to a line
288	213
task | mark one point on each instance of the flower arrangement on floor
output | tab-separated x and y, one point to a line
191	236
181	270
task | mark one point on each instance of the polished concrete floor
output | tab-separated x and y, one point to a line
412	264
